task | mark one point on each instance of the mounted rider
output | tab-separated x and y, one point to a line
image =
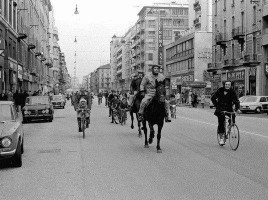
83	100
135	86
148	83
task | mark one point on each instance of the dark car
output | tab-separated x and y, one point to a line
11	134
37	107
58	101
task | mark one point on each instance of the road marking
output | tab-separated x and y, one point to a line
242	131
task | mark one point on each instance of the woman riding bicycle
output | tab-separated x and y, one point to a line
224	100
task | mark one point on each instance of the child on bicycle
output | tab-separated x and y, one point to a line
82	105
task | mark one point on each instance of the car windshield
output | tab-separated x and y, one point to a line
37	100
250	99
241	99
5	113
57	98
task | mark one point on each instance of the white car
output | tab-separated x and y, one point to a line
253	103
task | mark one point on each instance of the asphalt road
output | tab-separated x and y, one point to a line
111	162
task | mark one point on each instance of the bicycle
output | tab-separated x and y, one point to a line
83	121
173	111
116	115
231	131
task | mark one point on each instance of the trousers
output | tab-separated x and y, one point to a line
147	99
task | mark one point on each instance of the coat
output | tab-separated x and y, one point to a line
148	83
225	102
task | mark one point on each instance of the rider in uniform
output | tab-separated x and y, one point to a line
148	82
83	101
135	86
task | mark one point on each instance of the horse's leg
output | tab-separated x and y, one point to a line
139	126
145	134
151	133
160	126
132	119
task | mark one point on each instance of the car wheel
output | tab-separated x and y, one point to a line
24	121
50	119
17	161
258	110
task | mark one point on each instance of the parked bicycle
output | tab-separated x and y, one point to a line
231	131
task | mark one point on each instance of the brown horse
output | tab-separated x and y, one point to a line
155	113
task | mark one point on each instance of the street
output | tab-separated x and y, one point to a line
111	162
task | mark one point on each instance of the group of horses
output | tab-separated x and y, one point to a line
154	114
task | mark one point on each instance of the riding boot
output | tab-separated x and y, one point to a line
87	122
79	124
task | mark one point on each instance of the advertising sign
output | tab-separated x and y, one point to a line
20	72
160	43
236	75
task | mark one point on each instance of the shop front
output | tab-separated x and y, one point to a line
238	80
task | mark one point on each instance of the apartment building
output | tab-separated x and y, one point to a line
143	43
237	46
100	79
264	64
186	59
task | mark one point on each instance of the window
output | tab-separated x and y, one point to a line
14	18
254	15
150	56
242	20
162	12
151	23
6	10
151	32
14	50
216	7
1	8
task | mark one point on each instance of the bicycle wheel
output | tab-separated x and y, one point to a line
234	137
83	127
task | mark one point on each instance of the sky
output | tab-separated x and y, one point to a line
94	27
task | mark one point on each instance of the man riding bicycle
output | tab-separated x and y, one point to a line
148	82
224	100
83	101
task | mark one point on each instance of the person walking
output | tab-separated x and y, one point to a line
178	97
203	98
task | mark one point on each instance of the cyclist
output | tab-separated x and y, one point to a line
148	82
225	99
114	105
86	100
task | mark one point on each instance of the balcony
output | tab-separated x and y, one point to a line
238	33
251	60
197	6
220	39
229	63
212	67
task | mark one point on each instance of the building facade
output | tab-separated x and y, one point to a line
143	44
237	46
100	79
26	62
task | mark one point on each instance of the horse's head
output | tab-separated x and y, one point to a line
160	91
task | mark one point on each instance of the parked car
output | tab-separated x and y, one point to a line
58	101
11	134
265	107
253	103
38	107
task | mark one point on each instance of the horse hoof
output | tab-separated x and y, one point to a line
146	146
132	127
159	150
150	140
140	135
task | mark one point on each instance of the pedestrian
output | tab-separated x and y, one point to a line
189	100
178	97
203	98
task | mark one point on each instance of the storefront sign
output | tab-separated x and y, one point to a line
20	72
236	75
160	43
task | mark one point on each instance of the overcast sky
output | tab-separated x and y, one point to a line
94	26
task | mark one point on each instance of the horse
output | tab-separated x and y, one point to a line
135	109
155	113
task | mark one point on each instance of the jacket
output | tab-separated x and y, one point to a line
148	82
225	102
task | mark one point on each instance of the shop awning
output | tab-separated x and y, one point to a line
194	84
